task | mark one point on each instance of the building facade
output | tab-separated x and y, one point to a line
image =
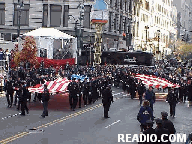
153	26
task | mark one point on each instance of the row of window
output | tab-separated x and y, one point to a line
162	10
55	15
161	22
168	2
122	4
144	17
119	23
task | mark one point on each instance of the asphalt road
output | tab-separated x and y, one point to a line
83	126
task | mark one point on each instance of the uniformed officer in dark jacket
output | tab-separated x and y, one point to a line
73	91
141	89
150	96
23	98
159	131
9	91
167	124
149	131
172	100
79	91
45	100
85	91
106	100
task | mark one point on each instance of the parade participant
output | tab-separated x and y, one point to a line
37	81
141	90
159	131
133	88
145	113
167	124
45	100
95	93
79	91
172	100
149	131
85	91
190	92
73	90
16	86
9	91
107	98
150	96
23	98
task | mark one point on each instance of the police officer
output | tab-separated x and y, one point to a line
141	89
85	91
80	91
172	100
16	85
150	96
149	131
167	124
45	100
161	131
106	100
23	98
9	91
73	90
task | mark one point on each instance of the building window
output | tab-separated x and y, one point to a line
125	5
110	18
65	16
125	24
116	4
55	15
111	3
45	15
86	21
146	5
120	25
115	23
121	4
2	14
24	13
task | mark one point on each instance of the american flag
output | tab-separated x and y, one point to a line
155	82
58	85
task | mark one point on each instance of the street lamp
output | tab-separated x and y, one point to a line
158	31
20	5
146	27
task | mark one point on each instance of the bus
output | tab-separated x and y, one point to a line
123	58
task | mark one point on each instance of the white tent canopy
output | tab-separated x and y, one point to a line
48	32
45	38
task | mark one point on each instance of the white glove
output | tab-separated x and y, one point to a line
81	92
78	95
89	92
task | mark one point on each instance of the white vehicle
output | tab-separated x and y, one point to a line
113	49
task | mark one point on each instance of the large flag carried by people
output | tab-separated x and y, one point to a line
155	82
56	86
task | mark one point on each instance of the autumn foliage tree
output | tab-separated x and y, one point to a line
28	52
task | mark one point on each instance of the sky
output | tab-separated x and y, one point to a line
100	5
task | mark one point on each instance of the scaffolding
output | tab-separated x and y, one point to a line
98	39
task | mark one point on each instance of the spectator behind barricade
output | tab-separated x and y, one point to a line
7	58
1	57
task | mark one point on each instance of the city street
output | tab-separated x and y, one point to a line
85	125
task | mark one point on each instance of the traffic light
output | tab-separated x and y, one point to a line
124	36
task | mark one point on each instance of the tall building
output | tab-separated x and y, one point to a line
184	19
153	25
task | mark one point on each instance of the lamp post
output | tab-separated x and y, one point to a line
146	27
19	5
158	31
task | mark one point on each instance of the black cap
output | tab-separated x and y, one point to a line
164	114
149	122
73	78
159	121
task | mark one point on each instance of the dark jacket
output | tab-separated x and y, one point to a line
172	98
107	97
167	124
45	95
148	131
9	87
145	113
73	89
23	94
141	88
159	132
150	96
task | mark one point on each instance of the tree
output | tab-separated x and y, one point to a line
27	54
